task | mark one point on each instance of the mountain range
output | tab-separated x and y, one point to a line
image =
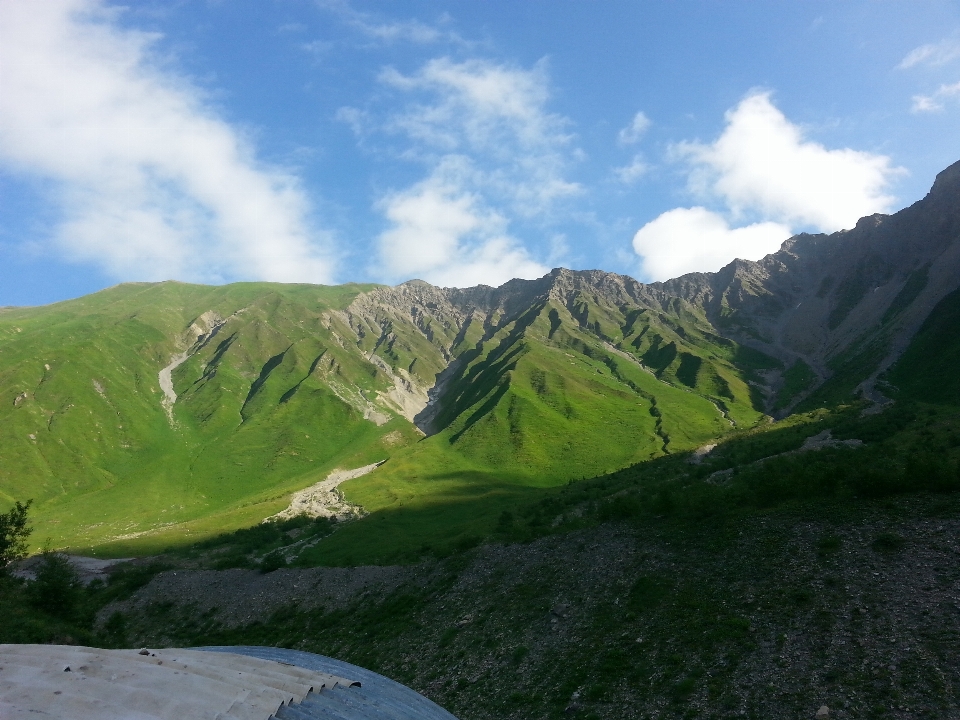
150	413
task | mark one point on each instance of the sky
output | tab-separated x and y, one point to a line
333	141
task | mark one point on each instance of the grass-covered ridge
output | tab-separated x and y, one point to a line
84	432
283	383
539	383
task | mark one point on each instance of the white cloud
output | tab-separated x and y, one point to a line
695	239
480	106
409	31
492	153
762	168
357	119
152	184
629	174
762	164
632	133
389	31
439	234
935	102
932	54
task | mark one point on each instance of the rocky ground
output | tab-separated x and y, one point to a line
776	616
239	597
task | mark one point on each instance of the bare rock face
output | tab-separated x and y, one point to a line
821	294
819	299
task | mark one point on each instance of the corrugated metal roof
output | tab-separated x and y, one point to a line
378	697
248	683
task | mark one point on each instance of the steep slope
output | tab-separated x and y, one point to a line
840	308
202	408
152	406
265	399
568	376
929	369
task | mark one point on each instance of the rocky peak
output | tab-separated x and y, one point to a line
819	296
947	182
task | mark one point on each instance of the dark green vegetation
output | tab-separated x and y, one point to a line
57	608
928	369
14	531
797	378
762	582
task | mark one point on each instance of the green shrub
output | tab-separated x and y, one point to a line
57	589
14	532
272	561
887	542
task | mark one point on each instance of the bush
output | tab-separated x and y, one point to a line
887	542
57	589
14	532
273	561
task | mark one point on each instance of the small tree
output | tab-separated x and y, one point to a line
14	532
57	589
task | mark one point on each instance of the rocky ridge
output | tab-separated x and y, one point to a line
817	299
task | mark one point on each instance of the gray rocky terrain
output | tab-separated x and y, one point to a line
776	619
822	299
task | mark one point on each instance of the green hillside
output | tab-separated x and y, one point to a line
929	370
282	383
84	432
268	388
551	397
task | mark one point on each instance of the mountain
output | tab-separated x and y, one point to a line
839	310
149	413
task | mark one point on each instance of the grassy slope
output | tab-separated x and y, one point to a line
557	394
548	398
816	578
104	460
929	370
441	502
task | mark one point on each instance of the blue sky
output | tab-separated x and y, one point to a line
328	141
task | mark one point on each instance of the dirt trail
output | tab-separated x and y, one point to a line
88	568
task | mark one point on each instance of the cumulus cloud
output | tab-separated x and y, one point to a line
151	183
695	239
762	163
935	102
440	233
632	133
492	153
482	107
763	168
932	54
